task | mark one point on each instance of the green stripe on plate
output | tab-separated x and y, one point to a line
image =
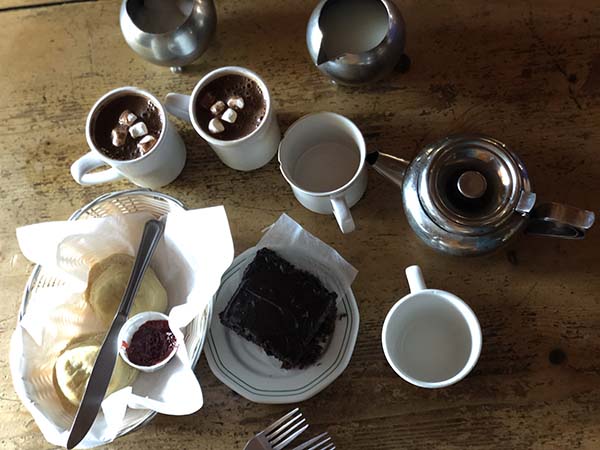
278	392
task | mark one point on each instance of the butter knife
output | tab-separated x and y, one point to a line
107	356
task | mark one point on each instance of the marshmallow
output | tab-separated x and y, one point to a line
215	126
146	143
218	108
236	102
229	116
119	136
207	100
137	130
127	118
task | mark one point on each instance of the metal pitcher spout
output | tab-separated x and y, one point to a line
322	57
321	33
391	167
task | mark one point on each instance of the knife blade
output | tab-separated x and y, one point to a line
107	356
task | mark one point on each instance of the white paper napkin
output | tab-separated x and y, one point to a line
288	233
195	251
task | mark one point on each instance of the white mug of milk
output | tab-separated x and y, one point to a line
322	157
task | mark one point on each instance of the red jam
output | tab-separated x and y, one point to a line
151	343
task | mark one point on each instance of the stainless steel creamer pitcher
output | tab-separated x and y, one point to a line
356	41
168	32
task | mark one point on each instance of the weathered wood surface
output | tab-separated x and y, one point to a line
525	72
15	5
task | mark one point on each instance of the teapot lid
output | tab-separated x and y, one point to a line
471	184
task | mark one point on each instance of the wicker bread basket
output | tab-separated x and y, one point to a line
127	202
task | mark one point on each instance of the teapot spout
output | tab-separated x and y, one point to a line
391	167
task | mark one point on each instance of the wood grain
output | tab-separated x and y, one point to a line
527	73
16	5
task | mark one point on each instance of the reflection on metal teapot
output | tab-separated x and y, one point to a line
469	195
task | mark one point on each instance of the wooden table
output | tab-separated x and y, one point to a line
525	72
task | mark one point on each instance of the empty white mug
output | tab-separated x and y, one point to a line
247	153
157	168
431	338
322	157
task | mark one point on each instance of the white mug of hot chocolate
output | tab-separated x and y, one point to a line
322	157
431	338
248	152
158	167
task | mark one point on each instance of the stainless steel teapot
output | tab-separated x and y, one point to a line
356	41
469	195
168	33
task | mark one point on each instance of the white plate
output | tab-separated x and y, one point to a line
249	371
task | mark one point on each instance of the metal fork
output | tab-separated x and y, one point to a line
280	433
318	441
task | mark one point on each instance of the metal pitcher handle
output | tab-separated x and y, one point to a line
558	220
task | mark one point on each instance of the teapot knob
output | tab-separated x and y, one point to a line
472	184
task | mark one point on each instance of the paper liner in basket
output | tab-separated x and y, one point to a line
195	251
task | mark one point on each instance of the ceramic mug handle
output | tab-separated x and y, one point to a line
415	279
91	161
179	106
342	214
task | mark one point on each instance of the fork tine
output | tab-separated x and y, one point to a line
318	446
329	447
273	434
312	441
291	438
281	436
279	421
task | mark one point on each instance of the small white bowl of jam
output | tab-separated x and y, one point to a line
146	342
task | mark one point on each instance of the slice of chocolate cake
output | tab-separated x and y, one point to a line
284	310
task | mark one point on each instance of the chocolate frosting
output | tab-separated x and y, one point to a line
282	309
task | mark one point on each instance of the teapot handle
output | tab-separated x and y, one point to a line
558	220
